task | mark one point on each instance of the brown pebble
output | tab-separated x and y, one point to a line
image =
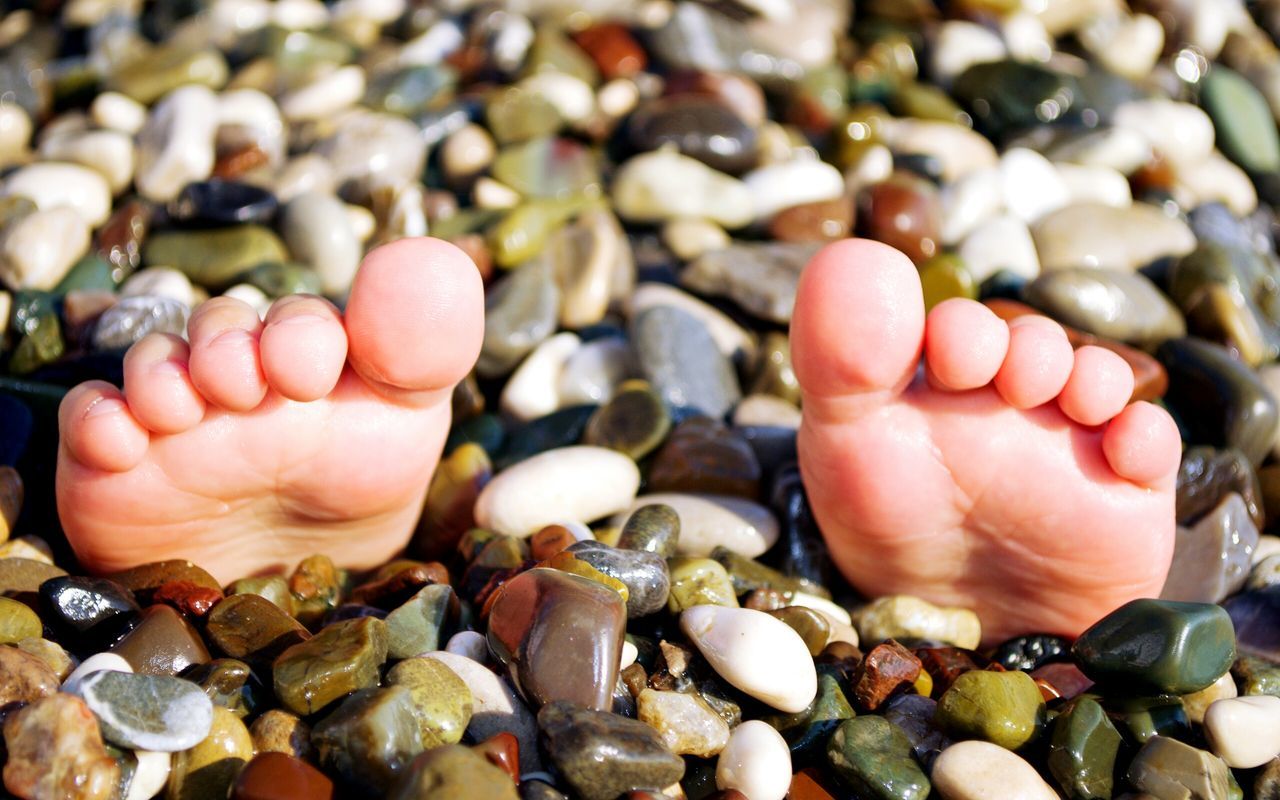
635	679
120	237
279	776
164	643
550	540
21	577
809	784
234	163
1066	678
888	668
252	628
278	731
451	498
705	455
821	221
502	750
477	249
55	751
614	50
189	598
903	212
765	600
316	587
743	95
944	665
24	678
391	592
144	579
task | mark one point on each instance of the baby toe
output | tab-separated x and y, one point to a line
1142	444
1100	385
303	347
964	344
224	365
98	430
157	384
1038	363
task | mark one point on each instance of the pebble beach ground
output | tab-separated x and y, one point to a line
617	588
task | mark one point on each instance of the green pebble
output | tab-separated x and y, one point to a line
453	772
17	622
1242	120
280	278
410	90
552	51
654	528
808	731
89	273
443	701
699	581
548	167
1158	647
214	258
230	684
1148	717
515	115
416	627
634	421
1004	708
748	575
340	659
873	757
271	587
944	277
484	430
558	429
206	771
812	626
1082	754
523	232
370	738
158	71
1256	676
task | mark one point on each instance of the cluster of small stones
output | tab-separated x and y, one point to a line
639	184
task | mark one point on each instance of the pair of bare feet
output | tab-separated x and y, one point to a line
1005	474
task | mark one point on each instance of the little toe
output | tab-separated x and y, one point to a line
157	384
99	431
1142	444
303	347
1038	363
964	344
1100	385
415	317
224	354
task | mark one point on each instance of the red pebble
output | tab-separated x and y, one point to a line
187	597
502	750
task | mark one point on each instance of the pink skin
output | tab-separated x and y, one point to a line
1008	475
266	441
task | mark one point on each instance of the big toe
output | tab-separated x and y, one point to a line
858	326
415	317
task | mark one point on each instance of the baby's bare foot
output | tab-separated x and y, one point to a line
1008	476
263	442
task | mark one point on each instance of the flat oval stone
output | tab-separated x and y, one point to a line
247	626
520	312
1003	708
1121	239
700	127
759	276
278	776
163	643
904	212
1244	731
560	637
906	617
756	653
453	772
680	359
341	658
55	750
1217	399
1158	646
318	231
209	768
641	191
214	258
1242	121
50	185
133	318
710	521
41	248
602	755
653	528
24	575
576	483
1117	305
775	187
874	757
219	202
148	712
706	456
755	763
634	421
976	770
1169	768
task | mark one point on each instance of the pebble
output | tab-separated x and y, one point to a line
906	617
905	212
318	232
1178	131
1211	559
762	278
688	726
175	146
679	357
53	185
160	282
453	772
24	678
1120	239
341	658
150	774
278	731
1004	708
17	622
370	738
118	112
279	776
533	390
1001	243
39	249
163	643
709	521
977	770
442	702
94	613
1167	767
250	627
1197	703
1082	754
602	755
541	617
94	663
520	312
643	573
779	186
1032	187
370	149
1252	614
210	767
755	762
55	750
1158	646
579	483
418	625
1244	731
634	421
495	707
1123	306
730	338
873	757
1242	120
147	712
699	581
640	191
756	653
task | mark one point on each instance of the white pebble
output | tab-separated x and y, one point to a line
162	281
150	774
15	132
363	222
1095	184
1126	45
1267	546
1244	731
493	194
961	150
467	151
251	295
969	202
51	184
572	97
822	604
94	663
470	644
875	164
629	655
1025	36
40	248
765	410
792	183
311	172
595	370
756	762
1030	184
958	46
109	153
757	653
318	232
1121	149
300	14
175	146
325	96
977	770
432	45
1215	179
708	521
1181	132
618	97
582	483
1003	242
534	388
642	191
255	111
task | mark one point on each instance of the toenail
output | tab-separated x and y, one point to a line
232	337
103	406
302	319
169	367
